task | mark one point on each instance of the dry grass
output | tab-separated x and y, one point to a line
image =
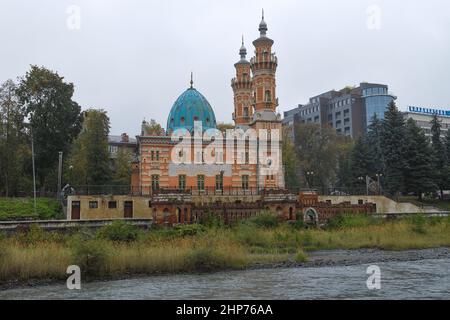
45	256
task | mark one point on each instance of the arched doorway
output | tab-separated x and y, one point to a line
311	217
185	215
178	215
279	211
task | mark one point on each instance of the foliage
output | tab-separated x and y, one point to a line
419	171
343	221
301	256
119	231
89	156
440	156
394	149
210	219
14	149
23	209
92	257
55	118
289	159
318	150
122	167
264	220
152	129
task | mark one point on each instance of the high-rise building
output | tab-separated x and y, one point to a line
348	110
423	117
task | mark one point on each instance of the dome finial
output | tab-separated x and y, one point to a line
192	80
263	25
243	50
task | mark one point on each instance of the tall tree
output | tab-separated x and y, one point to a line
122	167
361	161
318	149
54	117
89	156
375	149
394	149
13	147
419	170
152	128
439	154
289	161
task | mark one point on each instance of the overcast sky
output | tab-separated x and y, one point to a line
134	58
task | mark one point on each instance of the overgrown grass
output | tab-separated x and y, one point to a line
121	249
23	209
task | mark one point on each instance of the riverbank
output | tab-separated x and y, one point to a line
121	251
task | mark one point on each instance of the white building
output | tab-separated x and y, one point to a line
423	116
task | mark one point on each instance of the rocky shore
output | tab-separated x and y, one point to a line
316	259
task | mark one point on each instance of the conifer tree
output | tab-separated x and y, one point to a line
394	149
440	159
419	170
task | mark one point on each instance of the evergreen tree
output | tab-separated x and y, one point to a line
419	171
360	159
373	141
439	155
394	149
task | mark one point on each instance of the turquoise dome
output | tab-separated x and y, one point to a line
191	106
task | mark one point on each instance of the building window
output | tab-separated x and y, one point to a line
247	157
112	204
346	121
93	204
346	112
157	155
152	157
338	114
268	97
330	117
245	111
245	183
201	182
182	182
155	182
338	123
219	182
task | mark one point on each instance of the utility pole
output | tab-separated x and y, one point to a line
58	196
34	169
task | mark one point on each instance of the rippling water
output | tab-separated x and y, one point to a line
425	279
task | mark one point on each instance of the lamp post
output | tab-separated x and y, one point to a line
361	178
379	175
310	177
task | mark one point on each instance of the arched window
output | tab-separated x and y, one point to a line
268	97
245	111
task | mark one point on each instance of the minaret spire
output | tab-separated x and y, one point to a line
192	80
262	26
243	50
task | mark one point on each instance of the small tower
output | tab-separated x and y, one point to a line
264	67
242	88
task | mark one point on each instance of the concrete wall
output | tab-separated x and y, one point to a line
141	209
384	205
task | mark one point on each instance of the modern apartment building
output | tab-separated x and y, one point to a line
348	110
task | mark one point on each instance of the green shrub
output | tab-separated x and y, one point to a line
418	222
342	221
298	224
92	257
119	231
265	220
206	259
189	230
210	220
301	257
23	209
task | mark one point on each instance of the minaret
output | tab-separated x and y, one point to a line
264	66
242	88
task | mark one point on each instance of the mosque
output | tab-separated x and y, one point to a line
176	180
255	104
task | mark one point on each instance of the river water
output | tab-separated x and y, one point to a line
424	279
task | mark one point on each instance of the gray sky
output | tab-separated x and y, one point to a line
133	58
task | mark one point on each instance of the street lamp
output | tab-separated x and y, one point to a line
379	175
309	178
